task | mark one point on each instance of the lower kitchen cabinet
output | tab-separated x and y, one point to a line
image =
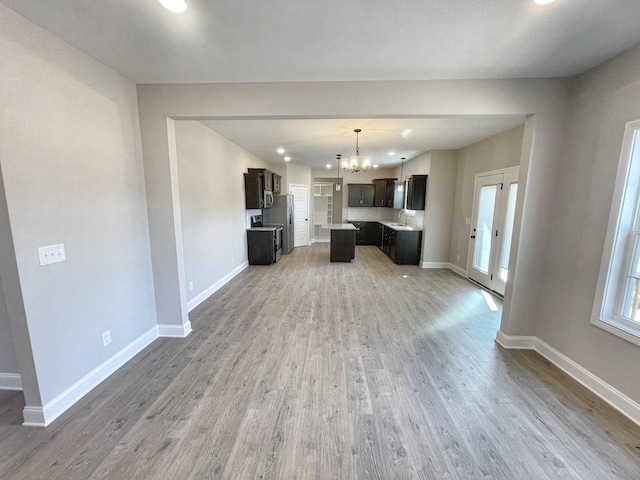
260	244
368	233
402	246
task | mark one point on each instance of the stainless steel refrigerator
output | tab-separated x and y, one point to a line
281	212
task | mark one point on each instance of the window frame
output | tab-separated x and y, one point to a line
621	243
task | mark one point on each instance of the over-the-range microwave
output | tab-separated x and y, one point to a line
268	199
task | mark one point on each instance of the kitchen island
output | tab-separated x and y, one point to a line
343	241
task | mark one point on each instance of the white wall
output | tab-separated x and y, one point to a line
500	151
71	162
604	100
438	214
8	361
212	204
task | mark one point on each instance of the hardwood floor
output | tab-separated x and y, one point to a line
314	370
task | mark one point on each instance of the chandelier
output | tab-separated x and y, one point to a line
353	164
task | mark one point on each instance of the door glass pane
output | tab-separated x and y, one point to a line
508	231
484	229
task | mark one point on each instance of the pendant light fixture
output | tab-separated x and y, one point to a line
353	164
338	156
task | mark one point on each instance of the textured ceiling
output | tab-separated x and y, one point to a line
316	142
338	40
304	40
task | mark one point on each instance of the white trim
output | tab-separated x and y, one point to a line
456	269
43	416
618	400
198	299
606	305
449	265
34	417
515	342
10	381
434	264
174	331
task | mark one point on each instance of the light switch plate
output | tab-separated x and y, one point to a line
51	254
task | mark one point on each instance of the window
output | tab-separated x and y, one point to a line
617	305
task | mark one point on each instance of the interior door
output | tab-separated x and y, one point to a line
494	209
300	214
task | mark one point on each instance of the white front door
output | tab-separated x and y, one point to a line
300	214
492	228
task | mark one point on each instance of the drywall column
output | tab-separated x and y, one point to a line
165	224
11	294
9	376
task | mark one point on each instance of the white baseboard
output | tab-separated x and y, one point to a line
618	400
515	342
450	266
434	264
193	303
174	331
10	381
458	270
43	416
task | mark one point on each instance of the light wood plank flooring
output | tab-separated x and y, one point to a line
312	370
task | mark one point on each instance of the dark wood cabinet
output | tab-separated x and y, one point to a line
401	245
399	187
253	190
267	177
260	245
416	192
368	233
277	184
361	194
343	245
384	192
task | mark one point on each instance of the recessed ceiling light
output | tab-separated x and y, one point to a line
392	153
407	132
543	2
328	165
375	166
286	159
177	6
280	150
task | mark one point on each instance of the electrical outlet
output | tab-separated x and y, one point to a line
106	338
458	257
191	285
51	254
233	260
467	221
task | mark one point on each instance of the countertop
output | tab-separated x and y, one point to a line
400	227
340	226
263	229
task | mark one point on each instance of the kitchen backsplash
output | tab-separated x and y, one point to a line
369	213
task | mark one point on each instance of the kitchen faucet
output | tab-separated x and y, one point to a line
405	215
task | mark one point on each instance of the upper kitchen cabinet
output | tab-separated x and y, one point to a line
277	184
384	192
253	190
416	192
361	194
268	177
